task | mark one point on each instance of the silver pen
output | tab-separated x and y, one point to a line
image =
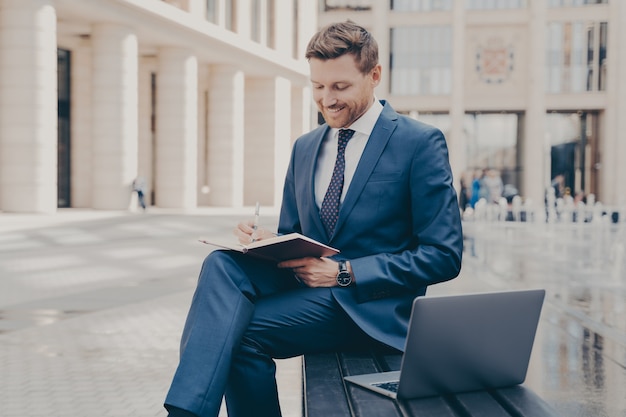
255	225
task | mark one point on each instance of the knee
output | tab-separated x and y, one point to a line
252	350
222	267
218	260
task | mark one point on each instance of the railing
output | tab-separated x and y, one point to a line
554	210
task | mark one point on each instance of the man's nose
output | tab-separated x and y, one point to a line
328	98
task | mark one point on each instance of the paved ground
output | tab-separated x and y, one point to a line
92	305
579	358
91	310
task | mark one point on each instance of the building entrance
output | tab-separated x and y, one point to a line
574	151
63	149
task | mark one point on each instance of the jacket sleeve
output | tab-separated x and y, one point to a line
430	249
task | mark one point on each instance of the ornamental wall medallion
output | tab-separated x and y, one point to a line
494	61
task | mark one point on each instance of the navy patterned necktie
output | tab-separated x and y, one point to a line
329	212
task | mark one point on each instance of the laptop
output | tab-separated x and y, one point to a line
460	343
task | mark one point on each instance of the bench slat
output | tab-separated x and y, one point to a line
324	386
327	395
369	404
524	402
431	406
481	403
366	403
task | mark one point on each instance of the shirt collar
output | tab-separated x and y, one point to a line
365	123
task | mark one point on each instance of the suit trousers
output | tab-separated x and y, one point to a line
244	313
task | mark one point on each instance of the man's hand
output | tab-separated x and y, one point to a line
246	233
314	272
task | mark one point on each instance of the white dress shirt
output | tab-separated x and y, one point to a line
362	127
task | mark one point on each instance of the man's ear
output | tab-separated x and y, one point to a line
376	75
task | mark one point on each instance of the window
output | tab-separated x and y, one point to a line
574	149
214	13
420	5
256	26
262	24
63	128
495	4
602	56
229	15
211	11
440	120
329	5
296	31
492	142
576	57
574	3
421	60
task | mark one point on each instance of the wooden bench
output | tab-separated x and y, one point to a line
327	395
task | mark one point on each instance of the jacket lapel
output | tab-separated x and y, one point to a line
376	144
310	159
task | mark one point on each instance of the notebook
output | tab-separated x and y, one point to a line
460	343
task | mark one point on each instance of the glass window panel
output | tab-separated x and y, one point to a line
424	54
446	79
270	40
229	14
590	53
63	69
492	144
553	61
440	120
602	56
574	3
255	24
577	63
495	4
421	5
211	11
575	56
346	4
562	127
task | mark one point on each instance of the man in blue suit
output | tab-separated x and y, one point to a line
398	229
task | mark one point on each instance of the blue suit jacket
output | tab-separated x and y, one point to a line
399	225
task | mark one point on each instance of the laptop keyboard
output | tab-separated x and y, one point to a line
389	386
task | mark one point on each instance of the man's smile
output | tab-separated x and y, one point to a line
334	109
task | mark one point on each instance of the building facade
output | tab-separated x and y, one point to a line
200	98
533	89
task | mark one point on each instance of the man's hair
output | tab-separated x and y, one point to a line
337	39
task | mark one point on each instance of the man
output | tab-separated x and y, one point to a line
139	186
398	229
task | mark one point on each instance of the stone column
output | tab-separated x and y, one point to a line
307	25
146	133
225	133
81	134
457	139
284	35
243	17
197	8
303	111
203	134
267	139
380	31
220	8
612	169
114	115
177	129
28	106
533	147
282	135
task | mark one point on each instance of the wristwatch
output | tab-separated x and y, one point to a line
343	277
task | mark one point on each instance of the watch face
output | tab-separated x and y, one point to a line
344	279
